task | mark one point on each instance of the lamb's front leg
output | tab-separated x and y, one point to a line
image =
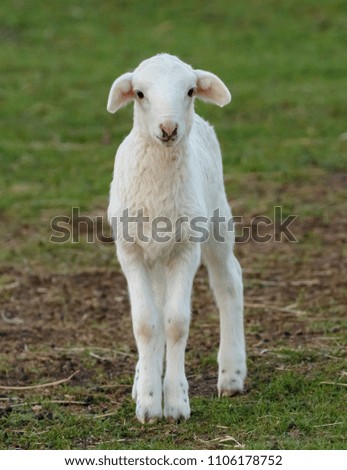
149	336
226	280
180	275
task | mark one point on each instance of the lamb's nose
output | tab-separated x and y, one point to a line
169	130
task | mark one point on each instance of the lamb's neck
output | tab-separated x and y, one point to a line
156	177
156	157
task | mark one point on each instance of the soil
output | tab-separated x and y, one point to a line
53	324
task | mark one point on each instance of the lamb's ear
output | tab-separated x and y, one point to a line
211	89
121	93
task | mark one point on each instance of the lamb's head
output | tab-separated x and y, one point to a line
163	89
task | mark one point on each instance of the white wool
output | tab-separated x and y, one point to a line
170	166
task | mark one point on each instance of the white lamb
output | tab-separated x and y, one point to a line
169	170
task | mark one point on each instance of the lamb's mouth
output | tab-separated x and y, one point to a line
167	142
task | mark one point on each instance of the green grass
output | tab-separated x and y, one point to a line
285	64
288	409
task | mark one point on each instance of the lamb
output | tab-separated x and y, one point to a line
169	170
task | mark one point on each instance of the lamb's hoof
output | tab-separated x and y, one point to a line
171	420
229	392
177	419
230	383
152	420
148	412
178	412
147	418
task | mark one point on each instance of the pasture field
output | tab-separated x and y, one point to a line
64	311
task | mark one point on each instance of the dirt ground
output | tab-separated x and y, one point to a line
49	320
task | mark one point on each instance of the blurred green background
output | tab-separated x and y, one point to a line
285	63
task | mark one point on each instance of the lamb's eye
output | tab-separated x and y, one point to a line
190	92
140	94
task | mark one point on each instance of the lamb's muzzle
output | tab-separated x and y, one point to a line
169	131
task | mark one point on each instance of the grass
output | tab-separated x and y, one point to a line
303	420
284	143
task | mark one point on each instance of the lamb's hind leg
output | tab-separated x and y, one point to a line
226	281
